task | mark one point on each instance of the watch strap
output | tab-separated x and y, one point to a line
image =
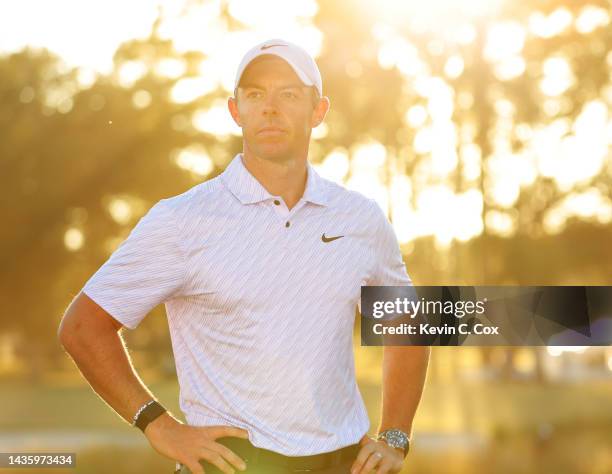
147	413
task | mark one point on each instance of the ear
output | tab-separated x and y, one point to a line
232	105
319	112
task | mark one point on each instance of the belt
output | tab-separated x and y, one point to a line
259	456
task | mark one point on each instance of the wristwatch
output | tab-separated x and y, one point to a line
396	439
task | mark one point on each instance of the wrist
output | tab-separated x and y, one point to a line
147	413
397	439
160	424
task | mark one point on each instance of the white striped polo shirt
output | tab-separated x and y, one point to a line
260	308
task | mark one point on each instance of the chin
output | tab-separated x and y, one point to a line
274	153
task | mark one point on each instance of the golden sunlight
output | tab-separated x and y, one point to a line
74	239
194	159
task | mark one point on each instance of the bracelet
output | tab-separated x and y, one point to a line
147	413
140	410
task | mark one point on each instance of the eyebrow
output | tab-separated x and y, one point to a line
259	86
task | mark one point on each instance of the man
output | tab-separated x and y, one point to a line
260	269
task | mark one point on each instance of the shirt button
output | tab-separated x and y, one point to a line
287	224
277	202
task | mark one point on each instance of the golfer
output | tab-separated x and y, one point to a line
260	270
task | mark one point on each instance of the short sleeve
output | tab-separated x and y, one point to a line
389	268
145	270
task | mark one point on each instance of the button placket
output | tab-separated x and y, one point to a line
287	215
280	209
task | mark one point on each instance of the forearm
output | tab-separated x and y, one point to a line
404	373
103	360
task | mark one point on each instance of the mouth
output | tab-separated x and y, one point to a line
271	131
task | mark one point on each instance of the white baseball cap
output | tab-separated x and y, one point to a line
300	61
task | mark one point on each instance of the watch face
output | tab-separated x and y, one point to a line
396	438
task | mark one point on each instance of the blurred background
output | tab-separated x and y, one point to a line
483	128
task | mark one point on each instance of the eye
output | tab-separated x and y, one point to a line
253	94
289	94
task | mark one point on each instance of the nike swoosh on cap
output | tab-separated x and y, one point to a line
266	46
330	239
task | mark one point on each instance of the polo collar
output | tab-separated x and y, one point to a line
248	190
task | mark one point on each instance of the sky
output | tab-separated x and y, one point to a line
84	33
87	33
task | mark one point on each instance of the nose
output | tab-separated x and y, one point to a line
270	105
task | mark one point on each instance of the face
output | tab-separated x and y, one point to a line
275	110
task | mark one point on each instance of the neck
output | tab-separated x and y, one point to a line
286	179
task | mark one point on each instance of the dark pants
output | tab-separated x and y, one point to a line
262	464
212	469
